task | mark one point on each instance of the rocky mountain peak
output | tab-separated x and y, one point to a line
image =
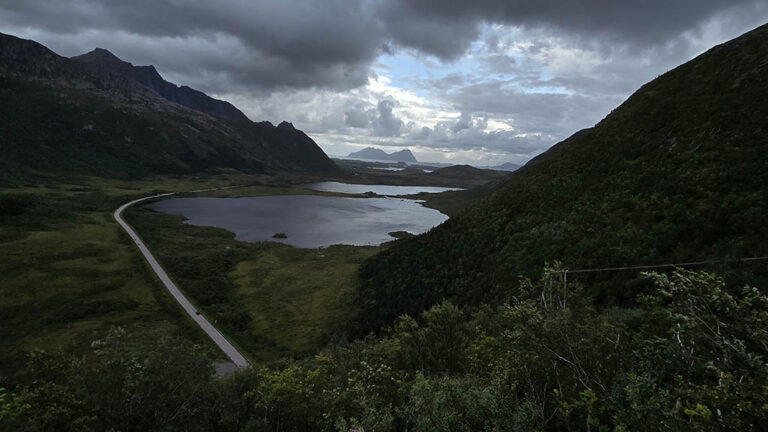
19	55
286	126
99	54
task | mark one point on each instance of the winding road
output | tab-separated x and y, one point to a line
231	352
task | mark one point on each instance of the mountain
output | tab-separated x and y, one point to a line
378	154
507	166
403	156
98	115
677	173
370	153
105	65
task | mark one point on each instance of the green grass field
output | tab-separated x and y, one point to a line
297	297
272	299
69	273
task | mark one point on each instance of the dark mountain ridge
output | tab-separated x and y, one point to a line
96	114
103	64
677	173
378	154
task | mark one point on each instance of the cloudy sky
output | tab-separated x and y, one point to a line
463	81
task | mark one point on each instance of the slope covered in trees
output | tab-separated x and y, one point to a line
690	357
677	173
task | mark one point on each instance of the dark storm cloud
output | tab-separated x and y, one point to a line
325	32
386	124
465	122
258	45
356	118
469	133
635	22
553	114
262	45
445	38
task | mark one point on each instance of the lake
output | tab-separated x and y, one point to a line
388	168
377	189
309	221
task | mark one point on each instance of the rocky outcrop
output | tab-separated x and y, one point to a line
113	73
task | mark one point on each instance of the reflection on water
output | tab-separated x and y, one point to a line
309	221
388	168
377	189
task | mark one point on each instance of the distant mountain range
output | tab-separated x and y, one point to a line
99	115
507	166
378	154
372	153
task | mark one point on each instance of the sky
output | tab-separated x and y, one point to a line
481	82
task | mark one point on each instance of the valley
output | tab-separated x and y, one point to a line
252	290
166	263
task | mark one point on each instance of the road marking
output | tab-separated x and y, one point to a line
229	350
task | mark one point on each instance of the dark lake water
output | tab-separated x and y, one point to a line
309	221
378	189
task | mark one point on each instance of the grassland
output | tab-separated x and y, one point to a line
297	297
64	283
272	299
69	274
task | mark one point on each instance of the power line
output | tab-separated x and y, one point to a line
642	267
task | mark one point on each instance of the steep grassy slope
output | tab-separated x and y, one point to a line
677	173
60	115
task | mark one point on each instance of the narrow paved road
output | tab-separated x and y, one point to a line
234	355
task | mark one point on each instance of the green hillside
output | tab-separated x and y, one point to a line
677	173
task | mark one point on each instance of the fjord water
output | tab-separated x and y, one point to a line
309	221
387	190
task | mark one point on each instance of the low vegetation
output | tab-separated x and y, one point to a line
691	356
69	273
298	298
274	300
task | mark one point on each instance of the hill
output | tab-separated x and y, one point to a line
457	171
98	115
506	166
378	154
469	176
677	173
